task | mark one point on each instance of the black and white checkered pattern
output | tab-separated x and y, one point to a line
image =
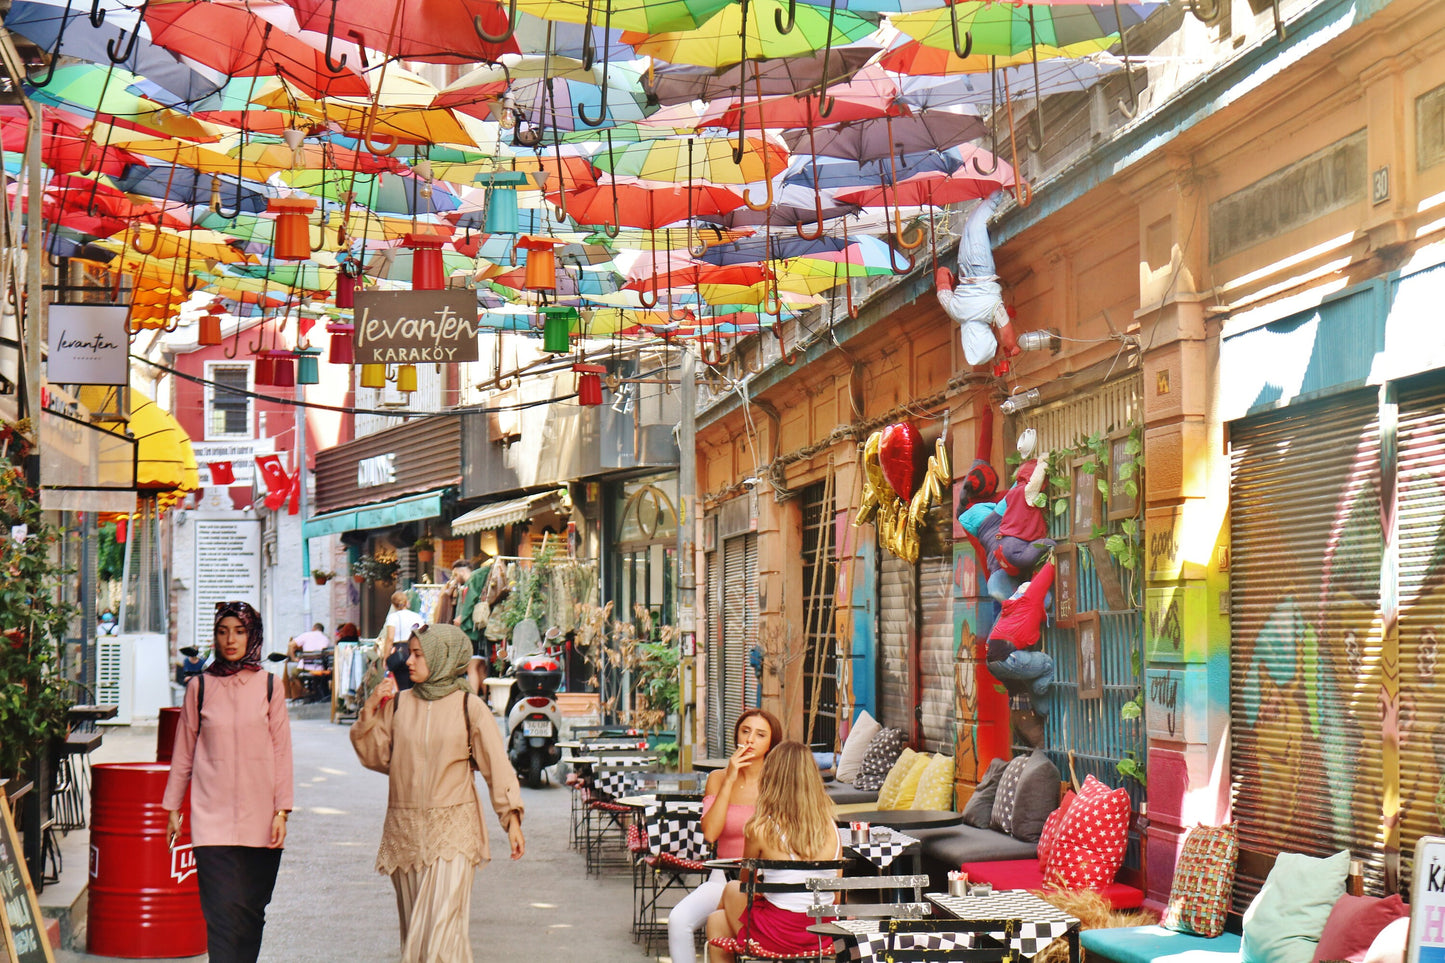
613	783
611	745
877	851
870	942
676	829
1042	922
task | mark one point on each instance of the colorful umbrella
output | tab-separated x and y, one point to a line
701	159
435	31
749	30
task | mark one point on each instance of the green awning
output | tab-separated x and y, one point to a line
384	515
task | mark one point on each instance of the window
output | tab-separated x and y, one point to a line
228	412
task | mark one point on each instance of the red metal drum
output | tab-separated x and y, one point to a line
144	899
166	732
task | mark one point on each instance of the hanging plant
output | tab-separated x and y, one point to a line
374	568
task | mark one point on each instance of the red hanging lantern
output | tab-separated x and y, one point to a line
292	240
541	273
210	332
283	369
345	290
427	273
341	350
265	373
589	384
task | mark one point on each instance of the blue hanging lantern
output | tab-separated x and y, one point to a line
308	366
501	201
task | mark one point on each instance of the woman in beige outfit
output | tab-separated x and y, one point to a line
428	739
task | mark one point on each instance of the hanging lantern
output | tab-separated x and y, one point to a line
346	288
541	272
308	366
265	369
283	370
373	376
210	333
501	203
556	328
341	351
292	241
427	273
589	383
406	378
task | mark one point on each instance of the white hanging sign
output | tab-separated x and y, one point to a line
89	345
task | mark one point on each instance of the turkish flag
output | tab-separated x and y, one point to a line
277	482
222	473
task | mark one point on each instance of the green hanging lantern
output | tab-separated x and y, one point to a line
308	367
557	329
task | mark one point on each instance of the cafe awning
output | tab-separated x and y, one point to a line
498	514
383	515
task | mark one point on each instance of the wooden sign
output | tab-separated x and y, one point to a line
1086	502
1066	585
416	327
23	932
1091	655
1121	503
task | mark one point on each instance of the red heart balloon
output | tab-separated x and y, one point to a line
902	458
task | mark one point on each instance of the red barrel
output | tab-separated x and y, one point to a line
144	899
166	732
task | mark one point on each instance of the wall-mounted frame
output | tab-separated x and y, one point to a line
1089	632
1066	584
1121	503
1086	502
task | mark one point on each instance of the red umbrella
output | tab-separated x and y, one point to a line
241	44
689	275
63	144
436	31
633	205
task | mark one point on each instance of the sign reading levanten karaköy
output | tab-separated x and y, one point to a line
416	327
89	345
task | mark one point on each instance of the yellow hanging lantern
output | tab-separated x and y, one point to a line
373	376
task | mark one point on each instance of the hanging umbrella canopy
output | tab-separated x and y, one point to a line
1013	28
64	147
566	40
786	77
859	99
634	205
434	31
558	103
230	38
915	58
95	90
937	188
700	159
879	139
1058	75
646	16
176	184
721	41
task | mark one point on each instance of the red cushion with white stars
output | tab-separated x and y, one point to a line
1050	834
1089	849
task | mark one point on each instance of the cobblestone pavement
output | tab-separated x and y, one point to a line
331	905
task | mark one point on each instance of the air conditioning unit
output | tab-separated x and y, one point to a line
132	672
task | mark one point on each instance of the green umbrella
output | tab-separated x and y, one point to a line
722	41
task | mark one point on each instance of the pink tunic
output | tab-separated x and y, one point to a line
730	841
240	774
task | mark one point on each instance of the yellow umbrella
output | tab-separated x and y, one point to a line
204	159
152	243
701	159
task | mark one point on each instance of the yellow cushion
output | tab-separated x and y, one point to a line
935	789
888	792
909	787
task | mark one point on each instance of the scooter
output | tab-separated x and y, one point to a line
533	722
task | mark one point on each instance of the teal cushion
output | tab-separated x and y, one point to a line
1284	923
1144	944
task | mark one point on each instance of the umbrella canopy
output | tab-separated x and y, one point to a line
938	188
879	139
435	31
787	77
558	103
701	159
1009	28
647	16
64	147
633	205
725	39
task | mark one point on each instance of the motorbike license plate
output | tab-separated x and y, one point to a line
536	727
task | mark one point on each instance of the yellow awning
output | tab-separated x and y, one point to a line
165	461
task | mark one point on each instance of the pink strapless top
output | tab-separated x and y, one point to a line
730	843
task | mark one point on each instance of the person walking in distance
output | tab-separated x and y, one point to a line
233	751
429	740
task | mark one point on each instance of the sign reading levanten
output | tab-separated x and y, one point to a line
416	327
89	345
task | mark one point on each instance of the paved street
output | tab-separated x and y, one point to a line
330	903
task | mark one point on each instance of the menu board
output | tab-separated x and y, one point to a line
24	936
227	568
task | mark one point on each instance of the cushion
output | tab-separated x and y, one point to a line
888	794
1027	793
1354	923
1090	846
1051	831
1389	945
952	846
842	794
908	788
1203	881
882	753
1284	922
855	747
935	789
979	808
1028	874
1145	944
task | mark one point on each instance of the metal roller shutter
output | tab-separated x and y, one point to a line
1305	661
820	660
715	726
740	625
897	608
751	695
935	597
1421	518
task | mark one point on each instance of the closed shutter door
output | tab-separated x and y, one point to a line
897	608
935	595
749	678
739	614
820	659
1421	514
1306	637
715	664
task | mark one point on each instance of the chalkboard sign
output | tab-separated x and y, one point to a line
25	938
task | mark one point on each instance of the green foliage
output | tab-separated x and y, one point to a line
373	568
112	554
667	752
33	697
1129	768
528	598
656	675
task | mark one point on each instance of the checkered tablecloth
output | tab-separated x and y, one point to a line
675	828
590	746
877	851
1042	922
870	942
613	783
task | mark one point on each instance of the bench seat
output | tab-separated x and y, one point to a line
1027	874
843	793
1145	944
953	846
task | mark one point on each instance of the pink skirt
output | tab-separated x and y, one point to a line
782	931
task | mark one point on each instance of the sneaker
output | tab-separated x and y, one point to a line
1030	726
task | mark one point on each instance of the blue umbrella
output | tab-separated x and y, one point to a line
753	249
187	186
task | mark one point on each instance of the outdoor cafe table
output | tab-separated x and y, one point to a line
1042	922
879	851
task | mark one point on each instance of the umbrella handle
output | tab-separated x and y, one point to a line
1130	109
826	103
117	57
606	64
146	251
786	26
615	228
505	35
642	298
917	237
371	148
1030	142
97	15
55	57
766	204
589	47
893	262
992	121
817	195
789	358
335	66
960	50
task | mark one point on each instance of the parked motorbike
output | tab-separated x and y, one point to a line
533	721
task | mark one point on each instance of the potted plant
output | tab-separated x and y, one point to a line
322	576
424	548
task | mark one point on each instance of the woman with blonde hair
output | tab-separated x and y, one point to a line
793	820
